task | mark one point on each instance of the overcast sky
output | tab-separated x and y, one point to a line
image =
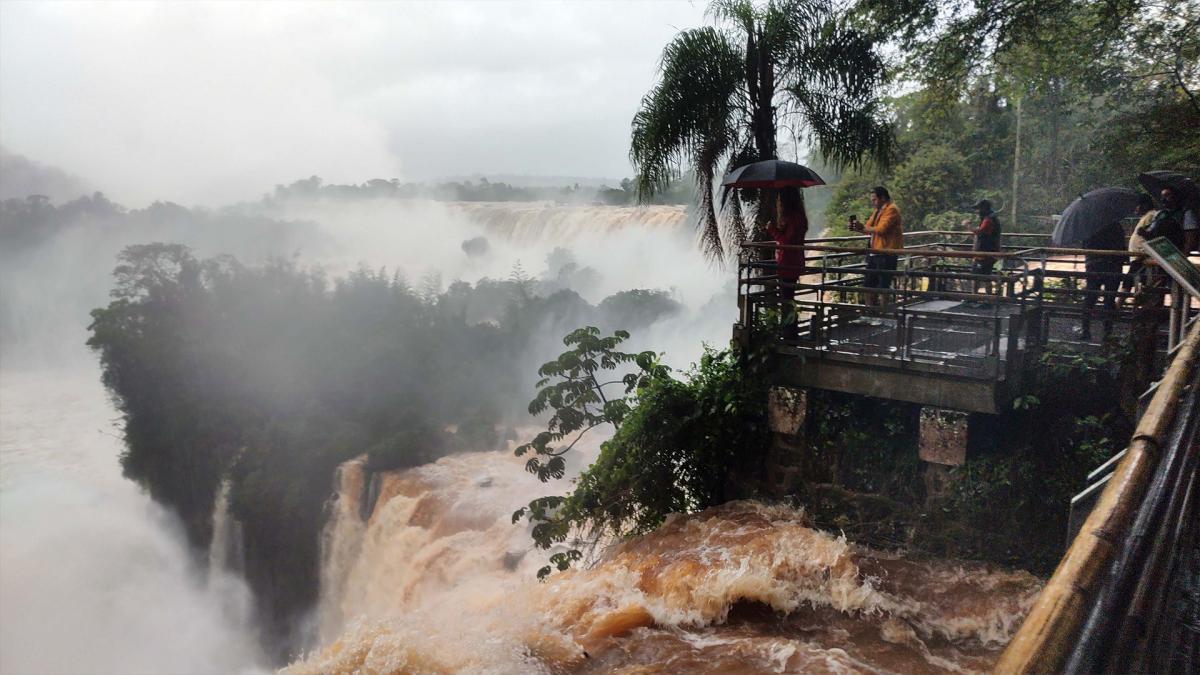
215	103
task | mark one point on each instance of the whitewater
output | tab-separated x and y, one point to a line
423	571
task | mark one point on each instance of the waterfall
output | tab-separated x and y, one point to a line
537	222
341	540
226	552
438	579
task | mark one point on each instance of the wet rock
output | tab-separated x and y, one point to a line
512	559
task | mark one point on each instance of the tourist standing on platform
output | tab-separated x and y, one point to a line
1175	222
789	227
1145	211
887	232
1103	272
987	238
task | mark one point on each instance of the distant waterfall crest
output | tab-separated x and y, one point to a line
533	222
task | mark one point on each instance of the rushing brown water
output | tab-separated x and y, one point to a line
433	577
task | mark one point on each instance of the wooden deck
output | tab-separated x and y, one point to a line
948	338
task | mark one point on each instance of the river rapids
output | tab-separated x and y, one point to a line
423	571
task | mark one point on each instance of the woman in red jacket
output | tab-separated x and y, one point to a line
788	228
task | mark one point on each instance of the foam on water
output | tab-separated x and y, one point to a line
444	582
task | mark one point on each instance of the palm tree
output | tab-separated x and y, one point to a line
724	89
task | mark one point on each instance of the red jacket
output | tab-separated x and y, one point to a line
790	261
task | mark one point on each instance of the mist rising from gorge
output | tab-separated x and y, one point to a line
56	266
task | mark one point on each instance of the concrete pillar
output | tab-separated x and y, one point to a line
787	410
943	436
942	444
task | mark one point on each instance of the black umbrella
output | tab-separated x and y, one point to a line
1155	181
1092	212
771	173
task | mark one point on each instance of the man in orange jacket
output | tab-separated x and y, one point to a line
887	232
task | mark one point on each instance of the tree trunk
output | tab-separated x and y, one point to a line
762	97
1016	169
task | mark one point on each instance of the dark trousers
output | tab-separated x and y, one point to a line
1106	284
787	305
877	264
1135	268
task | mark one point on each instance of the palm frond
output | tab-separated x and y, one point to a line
833	74
847	131
785	22
690	115
739	12
734	230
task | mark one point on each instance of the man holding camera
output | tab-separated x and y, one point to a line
887	233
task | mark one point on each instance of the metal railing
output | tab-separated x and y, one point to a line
1033	297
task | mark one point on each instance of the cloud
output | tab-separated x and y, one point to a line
212	103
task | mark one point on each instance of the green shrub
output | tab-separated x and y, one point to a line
679	447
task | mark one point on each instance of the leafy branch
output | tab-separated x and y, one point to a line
573	387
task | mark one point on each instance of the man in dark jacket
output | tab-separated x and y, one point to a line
1176	222
987	238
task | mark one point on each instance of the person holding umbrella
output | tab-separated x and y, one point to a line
1094	222
1145	212
788	228
1177	220
1103	276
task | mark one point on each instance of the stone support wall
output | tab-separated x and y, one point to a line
943	436
787	411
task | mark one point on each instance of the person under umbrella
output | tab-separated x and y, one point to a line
1091	213
1175	221
789	228
1145	211
1094	221
1103	276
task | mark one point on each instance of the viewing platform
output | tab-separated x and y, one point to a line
947	337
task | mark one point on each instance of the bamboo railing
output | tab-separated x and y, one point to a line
1048	634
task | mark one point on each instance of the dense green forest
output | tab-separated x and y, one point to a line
35	220
273	375
1029	104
